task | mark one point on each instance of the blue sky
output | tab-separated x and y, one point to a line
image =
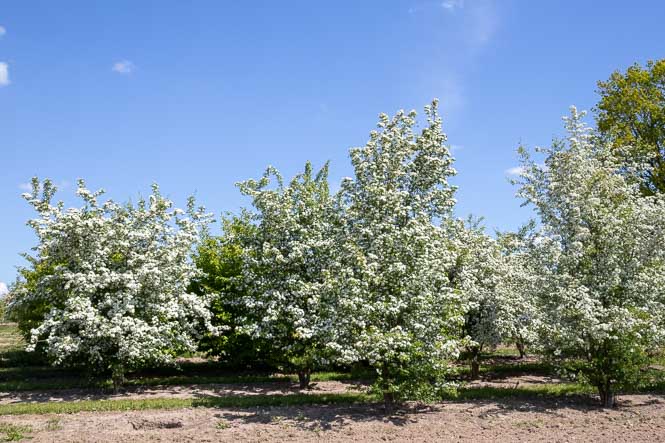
199	95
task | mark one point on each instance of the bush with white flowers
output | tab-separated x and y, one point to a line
286	266
603	298
395	307
109	281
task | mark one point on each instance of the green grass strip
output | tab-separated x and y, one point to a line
70	407
71	382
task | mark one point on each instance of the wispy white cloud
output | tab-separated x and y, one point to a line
470	26
4	290
4	74
477	20
455	148
451	5
3	31
485	19
123	67
25	187
515	171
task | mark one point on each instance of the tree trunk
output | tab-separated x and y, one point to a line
389	401
607	395
387	388
520	348
304	378
475	364
118	377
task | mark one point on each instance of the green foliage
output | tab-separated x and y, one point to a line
14	432
611	364
30	313
631	112
13	356
3	309
220	260
421	380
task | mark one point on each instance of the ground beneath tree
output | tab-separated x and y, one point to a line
638	418
190	391
238	389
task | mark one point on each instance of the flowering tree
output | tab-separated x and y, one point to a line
520	286
603	291
287	261
496	277
480	266
106	285
395	306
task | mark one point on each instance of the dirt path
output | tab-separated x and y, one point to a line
192	391
639	418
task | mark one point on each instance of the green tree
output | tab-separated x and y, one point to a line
30	313
631	114
220	260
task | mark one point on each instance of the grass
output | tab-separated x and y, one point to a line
508	369
69	407
502	351
53	424
222	425
14	432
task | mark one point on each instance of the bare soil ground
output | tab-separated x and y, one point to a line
639	418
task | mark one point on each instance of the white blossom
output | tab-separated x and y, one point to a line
112	279
395	306
287	265
601	257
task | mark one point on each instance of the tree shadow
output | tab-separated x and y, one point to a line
321	418
197	391
555	406
327	417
